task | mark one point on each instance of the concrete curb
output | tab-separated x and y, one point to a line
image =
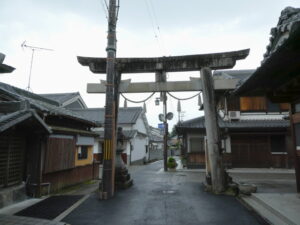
266	211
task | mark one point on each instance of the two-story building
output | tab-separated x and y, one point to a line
279	75
254	131
135	128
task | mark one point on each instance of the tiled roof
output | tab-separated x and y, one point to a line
281	60
129	134
12	119
61	97
234	74
199	123
39	103
126	115
289	17
3	67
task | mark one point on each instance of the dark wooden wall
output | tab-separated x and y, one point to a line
60	154
65	178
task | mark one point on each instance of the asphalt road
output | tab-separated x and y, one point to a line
158	198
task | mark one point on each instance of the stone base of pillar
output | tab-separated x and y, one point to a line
123	179
122	176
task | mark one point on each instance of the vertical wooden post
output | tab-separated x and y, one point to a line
212	132
108	181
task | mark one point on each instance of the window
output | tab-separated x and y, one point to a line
297	107
196	144
253	104
273	107
278	144
83	152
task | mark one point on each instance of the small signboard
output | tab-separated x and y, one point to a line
161	126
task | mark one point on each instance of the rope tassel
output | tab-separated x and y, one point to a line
199	100
178	106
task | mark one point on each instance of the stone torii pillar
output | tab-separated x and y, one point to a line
202	62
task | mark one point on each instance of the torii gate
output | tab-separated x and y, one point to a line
114	67
203	63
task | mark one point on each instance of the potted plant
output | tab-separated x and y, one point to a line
171	163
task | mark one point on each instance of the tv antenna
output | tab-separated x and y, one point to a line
33	49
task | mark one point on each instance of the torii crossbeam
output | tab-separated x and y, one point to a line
215	61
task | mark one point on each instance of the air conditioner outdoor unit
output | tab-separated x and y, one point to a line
234	115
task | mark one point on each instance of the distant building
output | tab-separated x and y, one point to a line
156	144
135	127
71	100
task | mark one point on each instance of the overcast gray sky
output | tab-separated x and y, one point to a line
78	27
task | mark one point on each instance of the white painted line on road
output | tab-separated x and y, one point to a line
69	210
161	170
156	162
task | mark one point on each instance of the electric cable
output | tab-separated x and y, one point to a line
105	8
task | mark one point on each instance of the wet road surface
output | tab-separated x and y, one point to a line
159	198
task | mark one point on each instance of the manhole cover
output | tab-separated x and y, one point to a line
180	174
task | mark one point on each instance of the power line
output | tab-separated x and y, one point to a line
156	35
105	8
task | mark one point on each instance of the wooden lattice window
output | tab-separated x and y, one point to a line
253	104
11	160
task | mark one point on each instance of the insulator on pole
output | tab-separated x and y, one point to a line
178	106
145	107
125	103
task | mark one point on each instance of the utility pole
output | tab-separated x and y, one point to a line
212	132
160	78
164	95
107	187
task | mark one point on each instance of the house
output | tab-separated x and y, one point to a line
156	144
254	131
279	75
135	128
71	100
42	145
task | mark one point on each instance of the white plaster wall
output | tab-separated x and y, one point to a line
140	125
228	144
139	148
127	126
96	146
